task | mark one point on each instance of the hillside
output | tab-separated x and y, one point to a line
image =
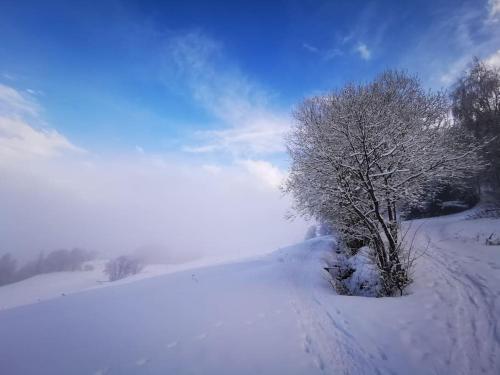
275	314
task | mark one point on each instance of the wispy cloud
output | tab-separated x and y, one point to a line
363	32
363	51
459	33
269	174
494	10
494	59
19	138
249	124
14	103
310	48
119	203
326	54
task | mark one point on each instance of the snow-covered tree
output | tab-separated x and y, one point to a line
476	107
360	152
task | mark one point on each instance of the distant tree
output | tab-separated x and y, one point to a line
362	151
121	267
476	107
8	266
31	268
65	260
54	261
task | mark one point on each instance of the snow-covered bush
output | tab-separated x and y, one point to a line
122	266
360	153
356	275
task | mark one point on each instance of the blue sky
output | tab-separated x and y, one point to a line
128	123
216	80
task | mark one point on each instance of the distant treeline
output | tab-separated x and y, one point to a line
54	261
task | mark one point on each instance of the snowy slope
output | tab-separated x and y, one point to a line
48	286
274	314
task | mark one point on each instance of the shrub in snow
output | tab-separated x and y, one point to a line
356	275
122	267
360	153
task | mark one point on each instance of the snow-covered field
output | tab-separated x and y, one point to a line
276	314
48	286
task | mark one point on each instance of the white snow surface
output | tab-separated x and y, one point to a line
276	314
48	286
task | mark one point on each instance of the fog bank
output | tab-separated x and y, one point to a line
117	205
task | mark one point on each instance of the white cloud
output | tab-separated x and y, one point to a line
9	77
363	51
249	123
494	59
332	53
494	9
324	54
310	48
443	51
258	135
116	204
13	103
212	168
269	174
18	138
